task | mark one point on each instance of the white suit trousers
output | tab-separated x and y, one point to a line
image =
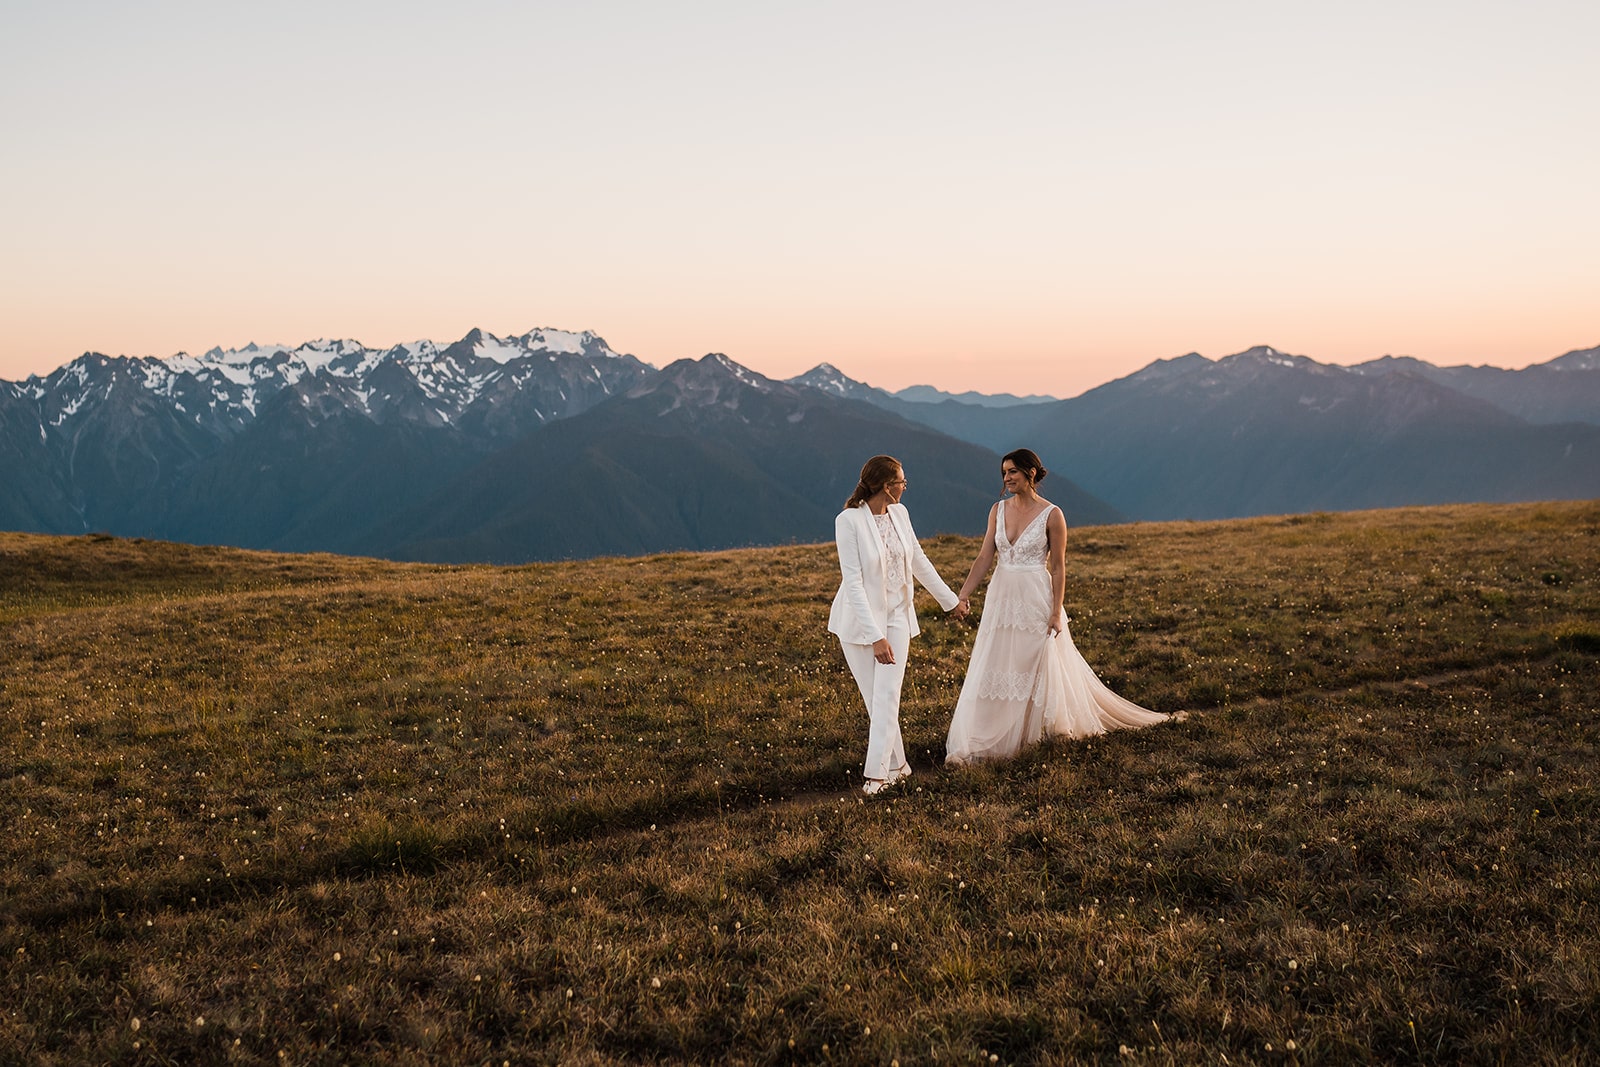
880	688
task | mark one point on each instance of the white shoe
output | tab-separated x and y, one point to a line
873	786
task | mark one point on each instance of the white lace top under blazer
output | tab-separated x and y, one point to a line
860	612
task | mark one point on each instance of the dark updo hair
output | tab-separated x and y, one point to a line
1028	463
876	473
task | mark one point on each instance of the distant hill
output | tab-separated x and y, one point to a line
706	454
1262	432
927	394
999	427
1566	389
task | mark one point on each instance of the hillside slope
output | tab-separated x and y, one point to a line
275	808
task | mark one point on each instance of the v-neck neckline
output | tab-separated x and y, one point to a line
1025	526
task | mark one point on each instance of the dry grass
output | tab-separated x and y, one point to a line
270	809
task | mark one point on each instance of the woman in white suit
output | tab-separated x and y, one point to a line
873	613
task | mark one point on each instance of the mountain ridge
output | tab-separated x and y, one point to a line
705	454
429	451
1263	431
332	445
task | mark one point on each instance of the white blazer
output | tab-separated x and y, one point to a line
861	607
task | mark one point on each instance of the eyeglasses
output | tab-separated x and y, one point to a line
901	482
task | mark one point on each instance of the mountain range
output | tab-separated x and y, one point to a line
1264	432
305	448
552	445
704	454
548	445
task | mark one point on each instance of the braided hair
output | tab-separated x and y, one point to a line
877	472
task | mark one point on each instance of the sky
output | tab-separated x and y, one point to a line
1024	197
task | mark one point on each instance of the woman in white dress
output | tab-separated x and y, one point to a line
1026	677
873	614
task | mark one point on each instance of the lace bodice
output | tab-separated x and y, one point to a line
1032	547
894	549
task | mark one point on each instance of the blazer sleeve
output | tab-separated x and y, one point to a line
853	587
923	569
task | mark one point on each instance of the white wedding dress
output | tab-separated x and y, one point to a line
1021	683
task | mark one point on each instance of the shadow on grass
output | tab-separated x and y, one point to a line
402	849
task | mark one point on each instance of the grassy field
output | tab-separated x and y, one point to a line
303	809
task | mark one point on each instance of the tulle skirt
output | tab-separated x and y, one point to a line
1023	684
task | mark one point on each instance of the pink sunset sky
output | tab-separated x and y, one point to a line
1011	197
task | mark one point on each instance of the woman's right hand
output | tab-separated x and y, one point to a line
882	651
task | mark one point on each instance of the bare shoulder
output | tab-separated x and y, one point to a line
1056	519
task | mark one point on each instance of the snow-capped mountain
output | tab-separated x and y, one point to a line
121	438
835	382
552	444
226	389
546	445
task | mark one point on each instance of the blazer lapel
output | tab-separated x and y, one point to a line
869	535
901	528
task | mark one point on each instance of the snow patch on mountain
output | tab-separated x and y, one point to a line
225	390
238	356
575	344
1579	359
497	351
741	372
72	407
828	378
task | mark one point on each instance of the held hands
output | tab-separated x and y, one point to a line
962	609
